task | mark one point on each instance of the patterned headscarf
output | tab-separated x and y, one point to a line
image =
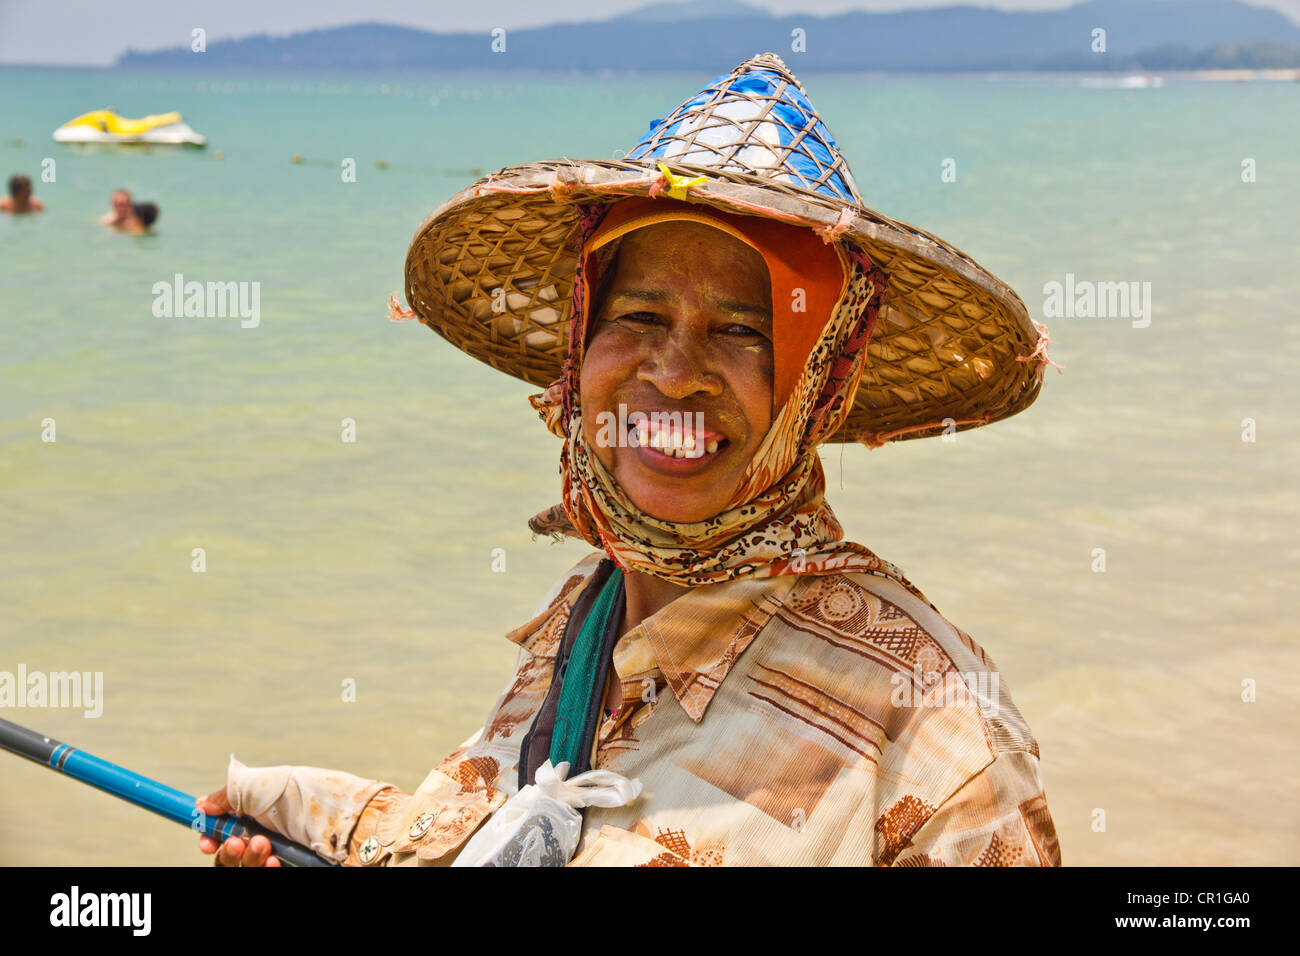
777	522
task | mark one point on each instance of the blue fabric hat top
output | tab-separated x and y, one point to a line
755	120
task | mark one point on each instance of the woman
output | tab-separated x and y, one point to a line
140	222
783	696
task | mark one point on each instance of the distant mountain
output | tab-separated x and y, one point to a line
724	32
690	10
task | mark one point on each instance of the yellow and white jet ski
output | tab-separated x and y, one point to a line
105	126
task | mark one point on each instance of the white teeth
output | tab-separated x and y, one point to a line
670	443
689	451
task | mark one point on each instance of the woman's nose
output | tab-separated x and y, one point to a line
681	368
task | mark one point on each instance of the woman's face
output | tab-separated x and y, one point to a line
684	338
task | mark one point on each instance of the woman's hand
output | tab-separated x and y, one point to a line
234	852
312	807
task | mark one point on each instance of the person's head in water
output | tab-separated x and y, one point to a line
143	216
20	196
121	212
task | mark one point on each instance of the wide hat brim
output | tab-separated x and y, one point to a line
492	271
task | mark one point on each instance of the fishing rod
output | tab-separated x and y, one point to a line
143	792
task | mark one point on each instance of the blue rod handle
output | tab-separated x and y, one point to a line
175	805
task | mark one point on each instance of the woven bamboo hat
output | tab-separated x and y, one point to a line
492	269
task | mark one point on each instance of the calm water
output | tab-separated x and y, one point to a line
371	561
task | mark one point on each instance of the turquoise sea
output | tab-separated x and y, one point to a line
371	561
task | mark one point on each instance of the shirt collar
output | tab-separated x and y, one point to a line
693	640
541	636
697	638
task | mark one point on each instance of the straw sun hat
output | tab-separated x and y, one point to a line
492	269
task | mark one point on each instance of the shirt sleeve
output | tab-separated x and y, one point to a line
363	846
998	817
432	824
312	806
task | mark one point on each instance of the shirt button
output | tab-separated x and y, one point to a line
369	851
421	825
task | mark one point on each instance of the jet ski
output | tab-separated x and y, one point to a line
105	126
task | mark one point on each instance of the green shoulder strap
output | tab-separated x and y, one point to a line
580	677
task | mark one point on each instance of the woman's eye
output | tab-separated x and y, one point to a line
637	318
739	328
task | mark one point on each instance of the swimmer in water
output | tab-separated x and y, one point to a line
20	199
143	216
120	214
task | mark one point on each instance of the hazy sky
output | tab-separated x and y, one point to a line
94	32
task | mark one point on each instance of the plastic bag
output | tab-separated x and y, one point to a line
540	825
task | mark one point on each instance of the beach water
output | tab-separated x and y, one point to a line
369	564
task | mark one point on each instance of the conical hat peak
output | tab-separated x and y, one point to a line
755	120
953	347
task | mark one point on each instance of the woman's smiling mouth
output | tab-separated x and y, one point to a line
675	444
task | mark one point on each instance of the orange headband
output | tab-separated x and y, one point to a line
805	272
